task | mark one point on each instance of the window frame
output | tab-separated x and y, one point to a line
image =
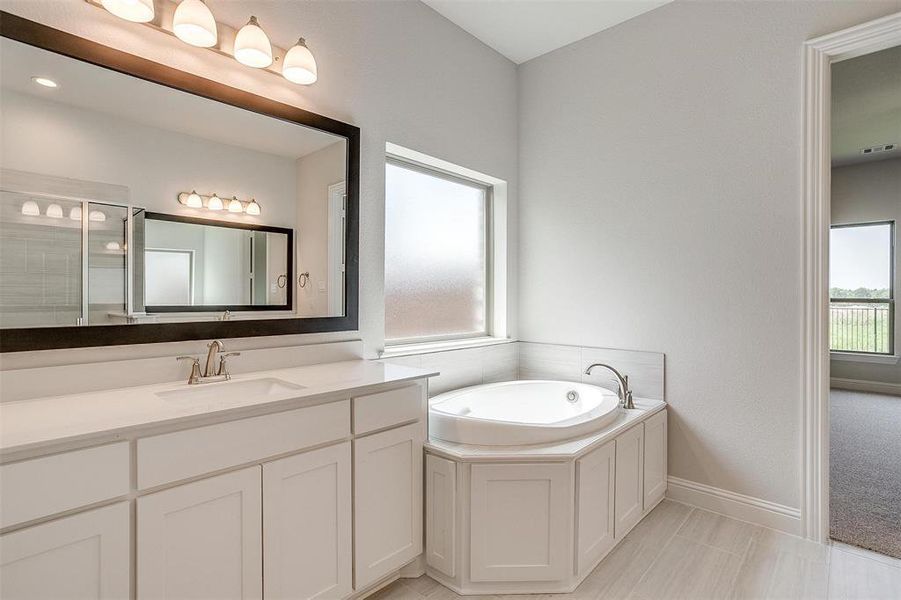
495	330
890	300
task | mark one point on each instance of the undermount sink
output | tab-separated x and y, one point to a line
267	387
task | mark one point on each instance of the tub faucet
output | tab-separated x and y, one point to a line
625	394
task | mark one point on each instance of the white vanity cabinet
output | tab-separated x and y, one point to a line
202	539
320	501
82	557
307	524
387	501
654	459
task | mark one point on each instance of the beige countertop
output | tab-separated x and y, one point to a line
32	425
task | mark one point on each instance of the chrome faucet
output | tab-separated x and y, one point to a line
210	374
624	393
215	347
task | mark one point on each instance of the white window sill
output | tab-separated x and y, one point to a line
443	346
877	359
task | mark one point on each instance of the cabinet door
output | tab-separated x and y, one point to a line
202	539
521	522
307	525
387	502
440	514
81	557
629	499
654	459
595	472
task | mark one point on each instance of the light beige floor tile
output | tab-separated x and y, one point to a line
718	531
395	591
779	566
854	576
689	570
889	560
622	569
423	586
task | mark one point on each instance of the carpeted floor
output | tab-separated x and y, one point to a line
865	470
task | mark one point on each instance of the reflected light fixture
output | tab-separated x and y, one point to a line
75	213
55	211
31	209
97	216
113	246
137	11
194	24
45	81
194	200
252	208
235	206
252	47
215	203
300	66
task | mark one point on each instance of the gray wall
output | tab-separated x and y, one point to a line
398	70
660	210
862	193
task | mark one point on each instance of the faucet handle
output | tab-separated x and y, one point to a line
223	368
194	377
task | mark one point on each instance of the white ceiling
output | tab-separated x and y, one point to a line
524	29
866	106
90	87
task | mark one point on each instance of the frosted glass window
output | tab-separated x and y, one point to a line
169	277
435	256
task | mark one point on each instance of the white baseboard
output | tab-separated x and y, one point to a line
738	506
859	385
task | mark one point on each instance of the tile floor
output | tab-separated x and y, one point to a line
682	552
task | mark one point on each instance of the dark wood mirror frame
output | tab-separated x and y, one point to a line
46	338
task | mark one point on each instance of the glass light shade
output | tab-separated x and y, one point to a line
75	213
253	208
235	206
137	11
300	66
97	216
215	203
55	211
194	200
194	24
252	47
31	209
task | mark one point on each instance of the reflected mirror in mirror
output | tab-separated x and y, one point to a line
85	165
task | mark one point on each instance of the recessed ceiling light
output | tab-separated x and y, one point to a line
49	83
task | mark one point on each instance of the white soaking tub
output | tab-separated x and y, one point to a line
521	412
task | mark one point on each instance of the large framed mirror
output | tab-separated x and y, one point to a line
140	204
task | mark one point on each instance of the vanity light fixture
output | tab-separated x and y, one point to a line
194	24
55	211
31	209
194	200
252	208
136	11
235	206
214	203
252	46
300	66
75	213
45	82
97	216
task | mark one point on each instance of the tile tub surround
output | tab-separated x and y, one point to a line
530	360
682	552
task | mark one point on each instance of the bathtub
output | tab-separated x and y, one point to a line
521	412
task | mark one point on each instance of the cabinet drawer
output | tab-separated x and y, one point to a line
44	486
182	454
377	411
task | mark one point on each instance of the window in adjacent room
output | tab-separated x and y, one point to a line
437	255
861	275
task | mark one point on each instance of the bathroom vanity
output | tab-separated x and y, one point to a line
536	519
304	482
